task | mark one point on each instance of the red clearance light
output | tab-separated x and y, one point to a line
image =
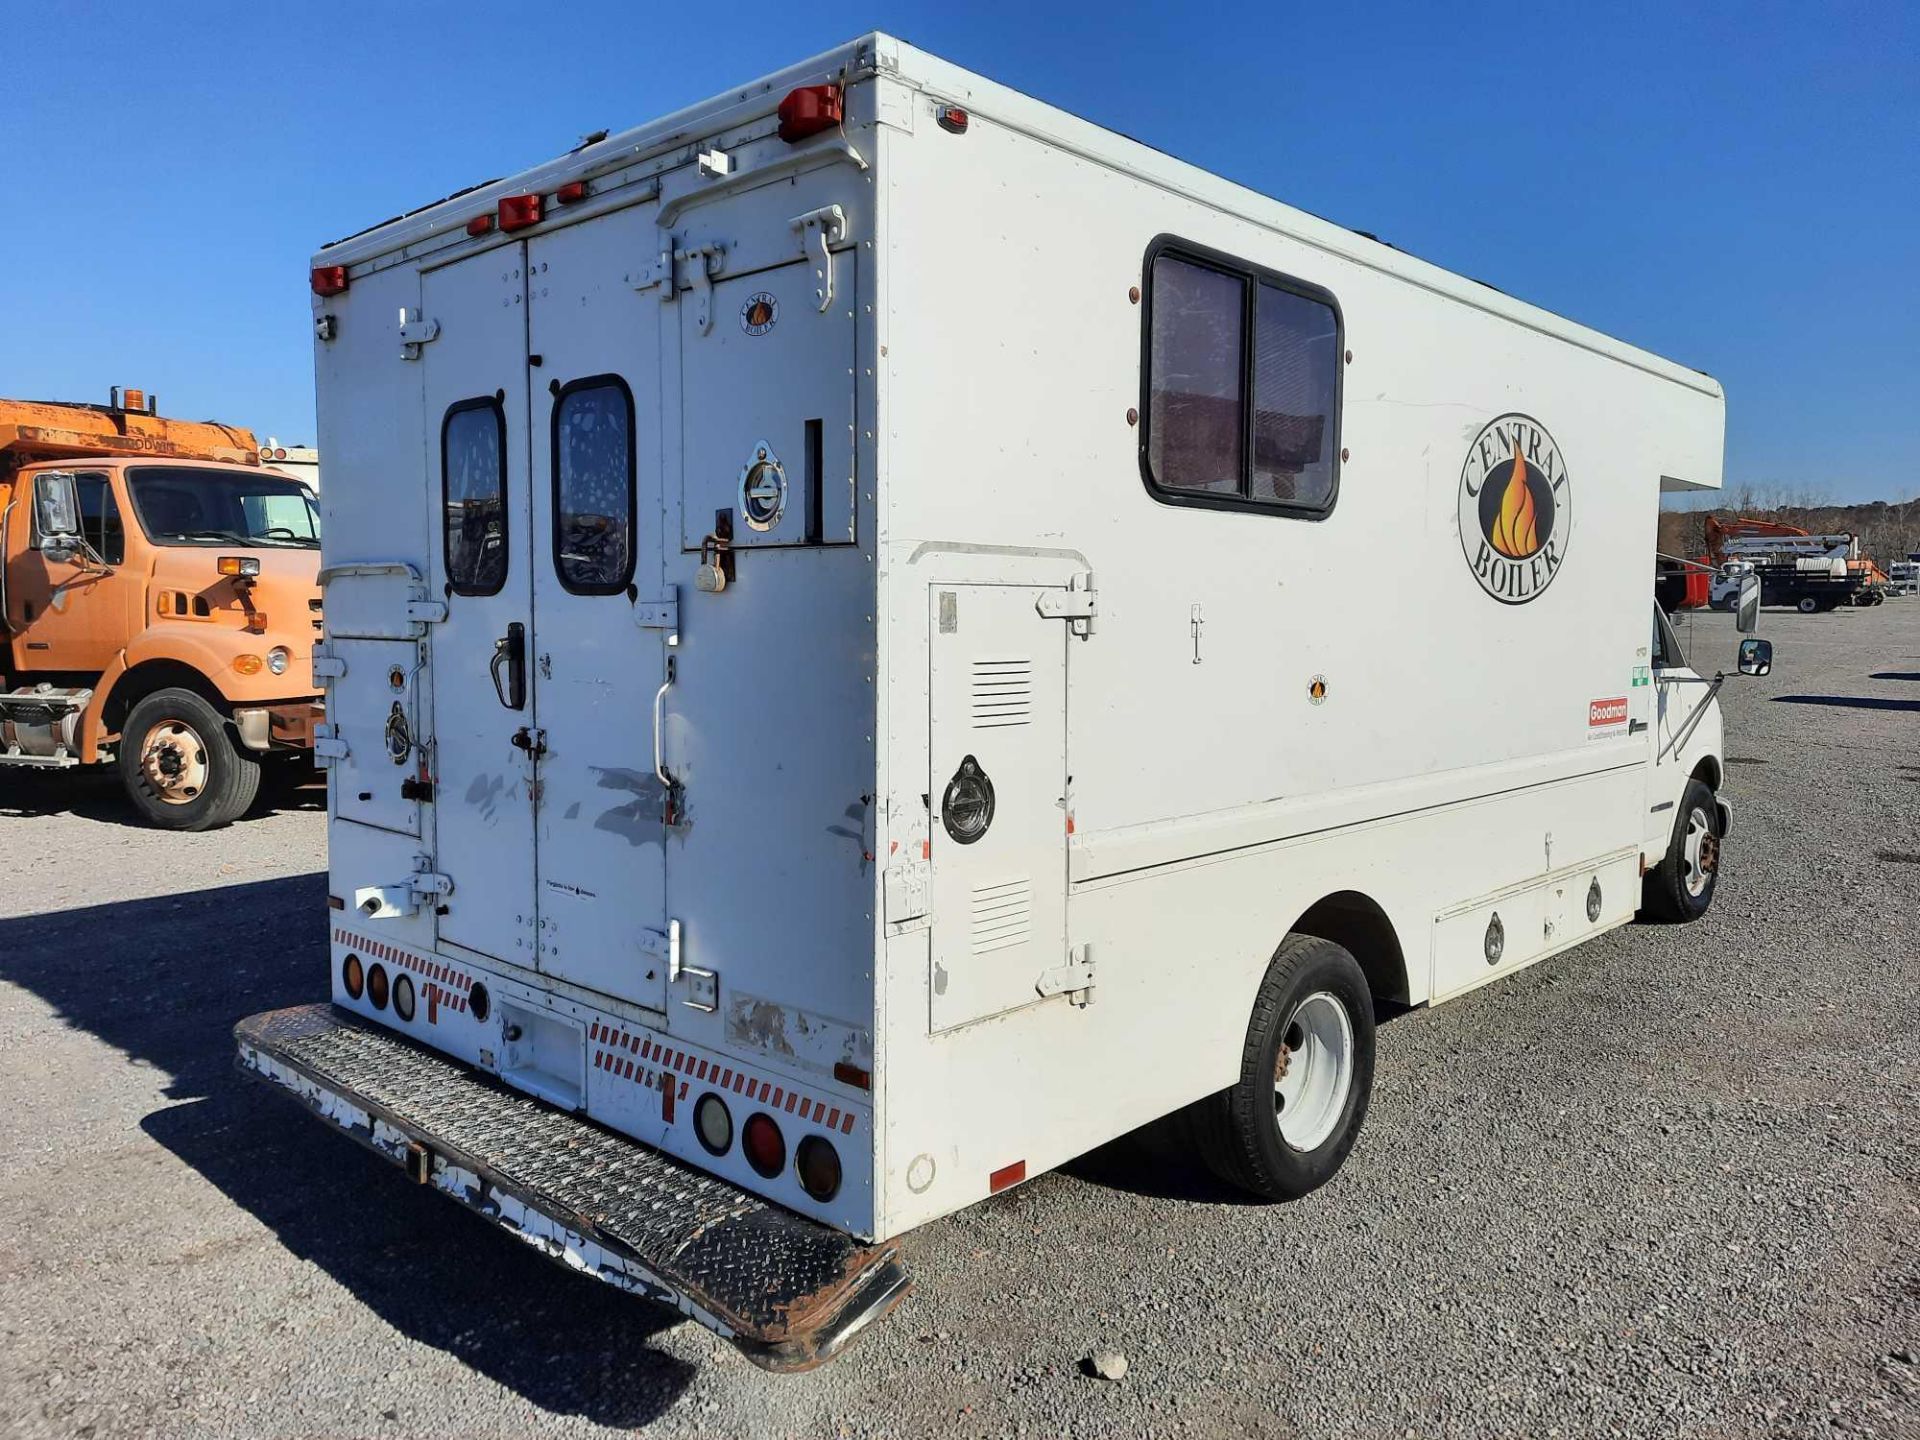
848	1073
480	224
517	212
328	279
1006	1175
952	119
808	111
571	193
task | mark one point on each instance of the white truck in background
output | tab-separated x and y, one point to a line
843	708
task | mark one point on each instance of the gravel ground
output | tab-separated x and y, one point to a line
1663	1185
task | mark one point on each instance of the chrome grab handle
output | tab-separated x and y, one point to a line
659	720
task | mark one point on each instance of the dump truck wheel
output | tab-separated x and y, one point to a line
180	765
1680	887
1306	1075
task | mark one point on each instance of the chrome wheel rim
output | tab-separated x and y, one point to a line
1313	1072
173	761
1701	851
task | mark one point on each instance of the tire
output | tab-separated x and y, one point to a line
180	765
1806	605
1680	888
1313	999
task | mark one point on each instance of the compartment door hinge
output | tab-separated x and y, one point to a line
1075	604
1073	979
327	667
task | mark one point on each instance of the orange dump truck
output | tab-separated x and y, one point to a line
159	601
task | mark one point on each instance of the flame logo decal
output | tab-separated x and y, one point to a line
1515	533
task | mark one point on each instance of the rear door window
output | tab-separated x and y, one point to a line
473	482
593	486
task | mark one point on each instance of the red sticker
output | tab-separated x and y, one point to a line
1606	712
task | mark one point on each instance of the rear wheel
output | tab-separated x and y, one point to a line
1306	1075
1806	605
1680	887
180	765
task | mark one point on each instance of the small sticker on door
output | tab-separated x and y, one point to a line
760	312
1605	714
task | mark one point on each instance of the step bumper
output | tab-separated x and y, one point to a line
789	1292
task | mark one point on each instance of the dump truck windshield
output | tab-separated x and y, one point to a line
178	506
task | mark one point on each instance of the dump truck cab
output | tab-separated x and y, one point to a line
159	598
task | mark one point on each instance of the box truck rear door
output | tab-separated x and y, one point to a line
475	382
602	617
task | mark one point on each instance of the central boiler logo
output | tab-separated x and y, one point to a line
1516	509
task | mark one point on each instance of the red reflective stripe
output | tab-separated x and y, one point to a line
833	1118
846	1125
790	1100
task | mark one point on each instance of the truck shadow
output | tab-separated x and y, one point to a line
163	980
94	793
1857	702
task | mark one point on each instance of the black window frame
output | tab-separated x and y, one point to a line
495	402
588	382
110	507
1253	277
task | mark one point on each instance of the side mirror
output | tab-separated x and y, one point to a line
1756	656
56	506
1746	617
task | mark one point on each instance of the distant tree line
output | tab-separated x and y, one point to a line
1887	531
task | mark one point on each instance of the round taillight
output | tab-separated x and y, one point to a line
403	996
478	1002
819	1167
713	1124
765	1148
377	985
353	976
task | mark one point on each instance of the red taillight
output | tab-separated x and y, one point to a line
480	225
377	985
571	193
517	212
952	119
352	976
808	111
766	1151
328	279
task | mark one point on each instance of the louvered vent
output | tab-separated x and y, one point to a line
1002	692
1002	914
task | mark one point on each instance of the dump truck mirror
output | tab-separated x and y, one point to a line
56	507
1756	656
1746	617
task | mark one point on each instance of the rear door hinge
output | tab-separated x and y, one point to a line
1075	604
416	332
1073	979
328	747
708	261
327	667
658	614
819	231
426	612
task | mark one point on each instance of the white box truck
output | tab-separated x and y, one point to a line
846	688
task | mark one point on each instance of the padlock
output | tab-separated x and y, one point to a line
712	574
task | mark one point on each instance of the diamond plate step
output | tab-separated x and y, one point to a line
789	1292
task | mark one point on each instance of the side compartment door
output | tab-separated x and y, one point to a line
482	676
997	695
600	649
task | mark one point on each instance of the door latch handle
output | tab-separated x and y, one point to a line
510	651
1634	727
530	739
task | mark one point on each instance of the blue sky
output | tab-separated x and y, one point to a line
1734	186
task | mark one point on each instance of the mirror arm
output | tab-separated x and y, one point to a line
1693	720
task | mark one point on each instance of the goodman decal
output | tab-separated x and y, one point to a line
1516	508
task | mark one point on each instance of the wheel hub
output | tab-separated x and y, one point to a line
173	760
1313	1072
